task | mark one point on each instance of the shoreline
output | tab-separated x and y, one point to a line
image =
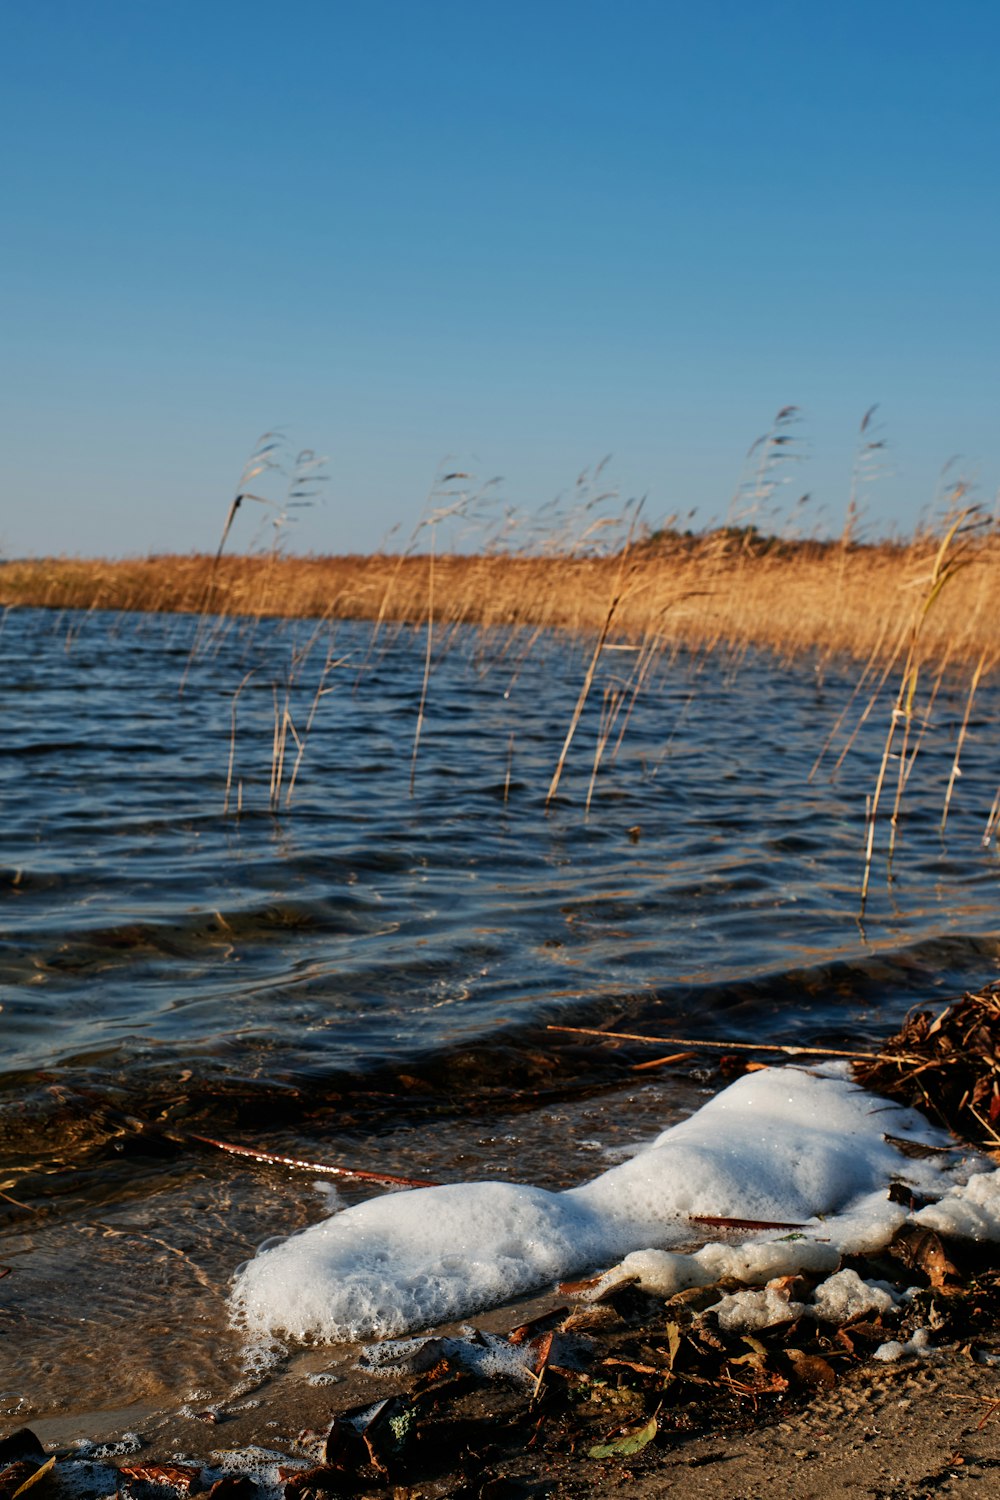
920	1426
580	1387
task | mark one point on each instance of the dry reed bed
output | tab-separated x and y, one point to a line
705	592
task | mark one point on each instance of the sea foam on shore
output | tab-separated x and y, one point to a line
805	1151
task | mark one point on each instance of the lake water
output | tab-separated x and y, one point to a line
364	973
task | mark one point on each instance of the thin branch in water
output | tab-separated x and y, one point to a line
324	1169
700	1044
614	697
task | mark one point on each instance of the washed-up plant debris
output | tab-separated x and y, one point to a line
947	1066
611	1374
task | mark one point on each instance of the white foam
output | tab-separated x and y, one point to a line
841	1297
918	1347
128	1443
745	1312
970	1210
782	1144
755	1262
483	1354
846	1296
268	1468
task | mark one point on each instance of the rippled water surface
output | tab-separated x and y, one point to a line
360	966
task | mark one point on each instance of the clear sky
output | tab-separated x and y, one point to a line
512	238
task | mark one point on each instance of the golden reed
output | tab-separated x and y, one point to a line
705	592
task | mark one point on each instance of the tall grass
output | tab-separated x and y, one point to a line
584	568
705	592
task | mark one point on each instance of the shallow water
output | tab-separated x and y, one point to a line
365	975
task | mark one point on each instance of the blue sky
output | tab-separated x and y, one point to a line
511	238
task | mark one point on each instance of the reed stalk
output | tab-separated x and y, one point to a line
951	557
232	743
427	665
955	768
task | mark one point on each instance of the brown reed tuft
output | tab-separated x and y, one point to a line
705	592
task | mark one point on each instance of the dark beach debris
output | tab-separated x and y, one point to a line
613	1382
232	1487
20	1446
948	1066
179	1479
23	1463
923	1250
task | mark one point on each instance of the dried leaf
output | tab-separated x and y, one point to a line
542	1347
922	1249
591	1316
588	1283
40	1473
753	1359
917	1150
811	1369
756	1346
442	1370
343	1449
631	1364
530	1330
15	1476
233	1487
673	1344
757	1381
388	1432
